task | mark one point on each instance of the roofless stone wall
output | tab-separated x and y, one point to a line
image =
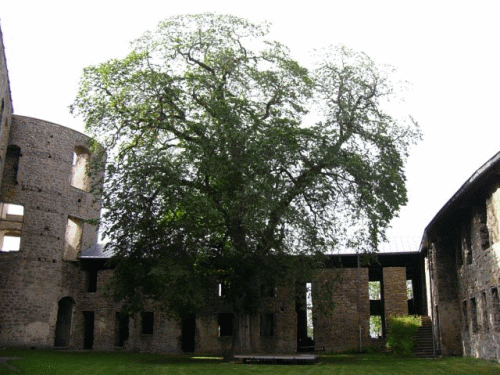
48	226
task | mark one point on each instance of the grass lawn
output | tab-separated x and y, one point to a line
36	362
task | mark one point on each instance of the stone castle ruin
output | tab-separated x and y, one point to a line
52	269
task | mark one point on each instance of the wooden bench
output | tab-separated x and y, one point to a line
275	359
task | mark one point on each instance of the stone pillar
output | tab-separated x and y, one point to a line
395	297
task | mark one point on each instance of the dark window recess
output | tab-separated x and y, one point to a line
473	314
223	289
226	322
464	312
458	251
121	332
495	309
63	324
88	329
92	281
484	310
267	290
467	241
188	334
11	164
147	319
267	325
484	235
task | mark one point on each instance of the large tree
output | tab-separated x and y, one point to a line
231	163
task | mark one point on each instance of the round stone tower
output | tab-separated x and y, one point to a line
44	201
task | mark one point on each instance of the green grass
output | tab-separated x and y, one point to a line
62	362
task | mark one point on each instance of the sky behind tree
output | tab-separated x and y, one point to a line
448	50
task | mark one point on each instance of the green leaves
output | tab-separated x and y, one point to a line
216	169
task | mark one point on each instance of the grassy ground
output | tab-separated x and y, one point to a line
89	363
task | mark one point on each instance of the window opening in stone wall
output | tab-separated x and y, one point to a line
226	323
473	314
375	326
63	323
458	251
410	298
409	289
74	231
11	223
121	330
223	289
147	322
267	325
467	241
484	235
88	329
80	169
309	308
92	281
11	165
374	290
495	309
267	290
484	310
464	313
188	333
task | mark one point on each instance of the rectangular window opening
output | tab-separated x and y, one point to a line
80	168
473	314
495	309
309	307
11	223
409	289
374	290
464	312
226	322
467	241
147	320
74	232
267	325
121	330
375	326
484	310
223	289
92	281
267	290
484	235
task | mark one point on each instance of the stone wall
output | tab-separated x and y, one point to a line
166	335
339	328
35	278
464	275
5	105
395	296
479	281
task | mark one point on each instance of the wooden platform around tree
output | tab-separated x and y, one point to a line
303	358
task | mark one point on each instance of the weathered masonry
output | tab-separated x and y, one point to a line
288	320
462	250
52	271
44	200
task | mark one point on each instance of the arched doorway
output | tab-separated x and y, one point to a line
63	325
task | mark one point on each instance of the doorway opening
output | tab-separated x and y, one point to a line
63	325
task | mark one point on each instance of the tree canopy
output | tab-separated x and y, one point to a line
230	162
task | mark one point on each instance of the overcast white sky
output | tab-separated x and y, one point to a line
449	50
